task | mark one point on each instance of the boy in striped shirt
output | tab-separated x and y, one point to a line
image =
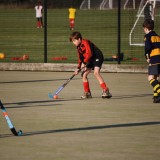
152	54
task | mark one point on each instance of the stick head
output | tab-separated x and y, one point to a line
20	133
50	96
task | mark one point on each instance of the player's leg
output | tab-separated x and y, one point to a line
38	23
71	23
41	22
105	89
154	90
152	78
158	78
87	92
98	61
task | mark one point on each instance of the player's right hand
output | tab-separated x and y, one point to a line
76	71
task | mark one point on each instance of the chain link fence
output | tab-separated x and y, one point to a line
96	21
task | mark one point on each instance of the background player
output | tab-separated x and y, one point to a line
72	14
39	9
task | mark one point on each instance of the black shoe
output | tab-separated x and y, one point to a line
156	99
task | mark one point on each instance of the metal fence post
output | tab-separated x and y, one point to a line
45	31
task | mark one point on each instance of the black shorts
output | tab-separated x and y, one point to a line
97	62
154	70
39	19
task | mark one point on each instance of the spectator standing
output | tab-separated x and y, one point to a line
72	14
39	10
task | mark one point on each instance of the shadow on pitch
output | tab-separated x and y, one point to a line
131	96
31	104
52	102
31	81
92	128
38	103
84	129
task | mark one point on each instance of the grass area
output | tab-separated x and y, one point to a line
20	36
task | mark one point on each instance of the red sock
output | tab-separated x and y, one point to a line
86	86
71	23
103	86
39	24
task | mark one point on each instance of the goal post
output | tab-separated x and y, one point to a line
129	4
148	9
86	4
106	4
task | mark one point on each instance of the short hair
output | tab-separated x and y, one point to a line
149	24
39	2
75	35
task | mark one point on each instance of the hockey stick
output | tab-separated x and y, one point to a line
63	85
10	124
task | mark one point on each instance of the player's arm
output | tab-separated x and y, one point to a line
42	10
88	53
79	65
148	48
69	12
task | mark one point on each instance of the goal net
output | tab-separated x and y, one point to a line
106	4
128	4
96	4
148	9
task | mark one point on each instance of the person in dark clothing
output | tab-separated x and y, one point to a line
152	54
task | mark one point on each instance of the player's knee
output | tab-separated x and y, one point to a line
150	78
96	74
84	78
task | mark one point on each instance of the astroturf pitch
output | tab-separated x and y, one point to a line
127	126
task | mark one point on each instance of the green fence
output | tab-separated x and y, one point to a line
20	36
